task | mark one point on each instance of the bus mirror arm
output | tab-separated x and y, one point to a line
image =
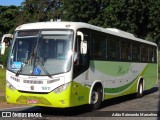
80	34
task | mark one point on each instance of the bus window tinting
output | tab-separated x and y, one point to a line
135	52
111	48
98	46
125	50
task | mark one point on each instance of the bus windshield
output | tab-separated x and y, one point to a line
44	52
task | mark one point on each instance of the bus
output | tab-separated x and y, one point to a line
68	64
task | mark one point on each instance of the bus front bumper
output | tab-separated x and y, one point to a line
60	100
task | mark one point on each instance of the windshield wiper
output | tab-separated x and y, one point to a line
44	69
20	70
35	56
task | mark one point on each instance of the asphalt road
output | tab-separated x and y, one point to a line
120	108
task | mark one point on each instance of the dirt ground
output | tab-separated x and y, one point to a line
4	105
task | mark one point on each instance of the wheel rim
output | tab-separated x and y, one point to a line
94	97
141	89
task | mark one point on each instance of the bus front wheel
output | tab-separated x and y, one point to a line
96	98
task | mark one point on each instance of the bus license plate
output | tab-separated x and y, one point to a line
32	101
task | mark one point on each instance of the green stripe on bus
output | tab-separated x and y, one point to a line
106	67
125	87
119	89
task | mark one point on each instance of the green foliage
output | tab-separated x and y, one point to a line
3	58
136	16
127	15
7	18
89	11
140	17
3	81
38	11
154	19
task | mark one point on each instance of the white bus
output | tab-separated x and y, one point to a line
67	64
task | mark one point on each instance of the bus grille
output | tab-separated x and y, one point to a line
32	82
41	100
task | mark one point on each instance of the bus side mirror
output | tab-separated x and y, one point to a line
2	47
3	44
83	46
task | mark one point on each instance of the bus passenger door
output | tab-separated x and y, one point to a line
81	58
80	92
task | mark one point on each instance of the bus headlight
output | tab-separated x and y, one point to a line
10	86
61	88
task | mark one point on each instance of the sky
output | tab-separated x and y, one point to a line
10	2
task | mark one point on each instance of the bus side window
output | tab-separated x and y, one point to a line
98	50
144	53
77	51
155	55
79	58
151	54
136	52
113	49
125	50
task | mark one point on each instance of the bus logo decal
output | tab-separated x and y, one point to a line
32	87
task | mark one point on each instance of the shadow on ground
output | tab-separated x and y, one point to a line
84	110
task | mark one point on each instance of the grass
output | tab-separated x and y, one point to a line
2	84
2	80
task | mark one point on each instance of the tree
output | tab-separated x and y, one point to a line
140	17
136	16
154	20
7	17
83	11
128	15
39	10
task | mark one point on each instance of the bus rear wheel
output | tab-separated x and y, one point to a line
96	98
140	90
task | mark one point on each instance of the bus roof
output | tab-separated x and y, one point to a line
77	25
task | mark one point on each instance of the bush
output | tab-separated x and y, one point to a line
3	58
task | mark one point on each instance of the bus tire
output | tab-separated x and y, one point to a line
96	98
140	90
